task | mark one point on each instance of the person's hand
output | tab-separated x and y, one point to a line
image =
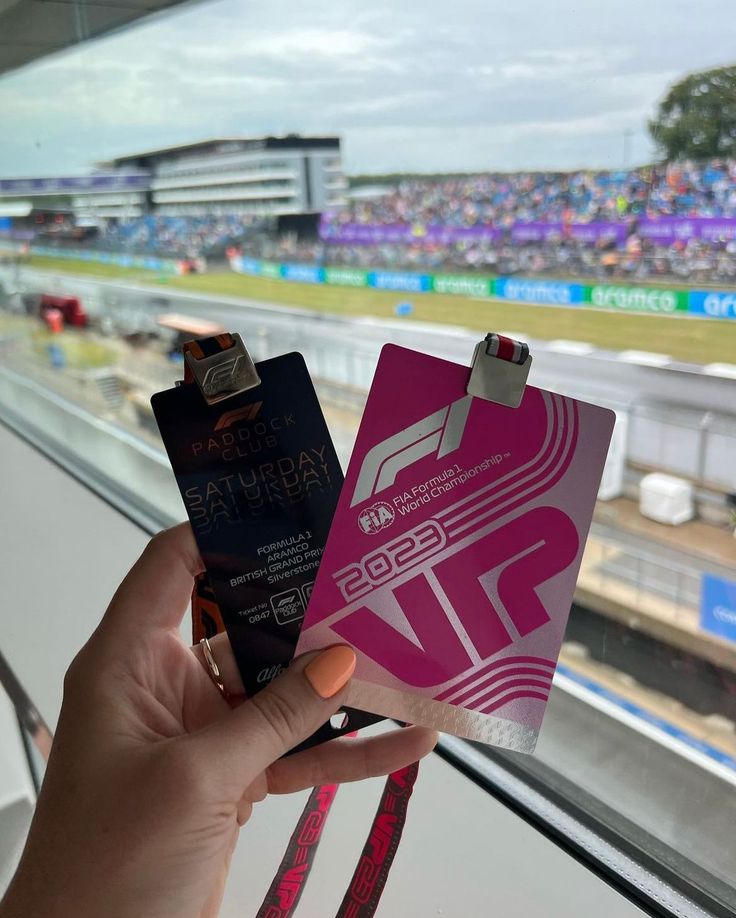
152	771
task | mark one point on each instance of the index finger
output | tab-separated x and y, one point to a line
157	590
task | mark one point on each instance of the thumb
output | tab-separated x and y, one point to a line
280	716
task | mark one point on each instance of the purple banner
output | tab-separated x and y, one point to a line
407	233
22	235
116	181
661	230
584	232
667	230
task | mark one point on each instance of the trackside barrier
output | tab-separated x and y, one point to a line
638	298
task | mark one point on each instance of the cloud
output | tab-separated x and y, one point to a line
426	85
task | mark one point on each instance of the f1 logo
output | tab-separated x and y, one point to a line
223	373
247	413
439	433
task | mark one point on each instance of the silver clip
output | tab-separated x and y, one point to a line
495	379
224	374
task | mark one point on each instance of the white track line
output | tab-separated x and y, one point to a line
646	729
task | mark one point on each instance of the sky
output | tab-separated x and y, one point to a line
409	85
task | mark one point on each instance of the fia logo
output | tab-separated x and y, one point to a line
376	517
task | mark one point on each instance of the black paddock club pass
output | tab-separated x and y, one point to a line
260	480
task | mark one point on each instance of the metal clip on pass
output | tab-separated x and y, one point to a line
500	370
221	367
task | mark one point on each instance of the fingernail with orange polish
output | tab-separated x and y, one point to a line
329	672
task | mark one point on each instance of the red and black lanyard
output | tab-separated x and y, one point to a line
371	872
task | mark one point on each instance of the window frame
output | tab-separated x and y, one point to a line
591	833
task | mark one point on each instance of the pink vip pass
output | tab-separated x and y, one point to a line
454	551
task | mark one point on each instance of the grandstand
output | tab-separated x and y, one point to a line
675	220
673	189
180	237
266	176
185	200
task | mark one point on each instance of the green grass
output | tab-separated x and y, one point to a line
93	268
80	352
13	325
697	340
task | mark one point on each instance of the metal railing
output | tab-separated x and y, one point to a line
643	580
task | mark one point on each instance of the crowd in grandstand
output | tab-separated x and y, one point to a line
686	189
183	236
638	259
503	201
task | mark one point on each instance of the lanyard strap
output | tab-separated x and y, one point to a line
369	879
366	887
370	875
288	884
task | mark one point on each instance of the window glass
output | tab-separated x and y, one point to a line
562	173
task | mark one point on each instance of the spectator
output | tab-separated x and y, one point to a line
530	223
